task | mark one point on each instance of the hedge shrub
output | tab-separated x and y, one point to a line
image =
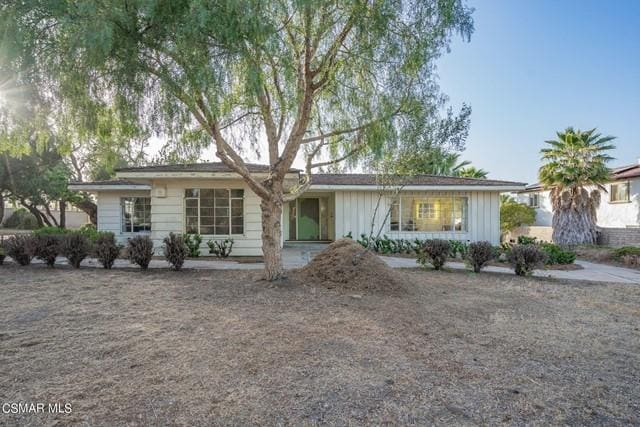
2	253
193	242
47	248
140	251
434	251
222	248
106	249
479	254
20	248
75	247
175	250
525	258
557	255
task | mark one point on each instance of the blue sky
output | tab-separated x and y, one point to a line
534	67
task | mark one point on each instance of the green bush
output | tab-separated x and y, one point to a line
47	248
20	248
625	251
50	231
75	246
2	253
386	246
525	258
106	249
21	219
479	254
140	251
514	214
221	249
458	247
557	255
434	251
175	251
527	240
193	242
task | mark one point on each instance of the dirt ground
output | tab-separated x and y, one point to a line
221	347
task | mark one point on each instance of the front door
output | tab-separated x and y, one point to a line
309	219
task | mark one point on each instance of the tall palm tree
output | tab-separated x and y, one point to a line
472	172
574	172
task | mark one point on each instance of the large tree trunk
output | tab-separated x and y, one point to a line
574	216
63	213
1	207
271	237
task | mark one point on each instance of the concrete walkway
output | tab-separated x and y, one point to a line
299	255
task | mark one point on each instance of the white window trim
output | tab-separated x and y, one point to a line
535	205
134	233
400	230
244	211
628	199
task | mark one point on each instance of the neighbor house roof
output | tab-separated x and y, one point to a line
197	167
419	180
617	174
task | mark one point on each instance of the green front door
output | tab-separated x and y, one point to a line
309	219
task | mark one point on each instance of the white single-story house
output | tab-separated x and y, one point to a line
618	214
213	201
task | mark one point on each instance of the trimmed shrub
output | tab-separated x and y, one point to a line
2	253
20	248
525	258
479	254
175	250
557	255
106	249
140	251
434	251
193	242
47	248
626	250
222	248
50	231
21	219
75	247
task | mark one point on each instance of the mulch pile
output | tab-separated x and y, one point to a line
345	264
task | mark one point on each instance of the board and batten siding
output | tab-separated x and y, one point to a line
110	212
354	210
167	214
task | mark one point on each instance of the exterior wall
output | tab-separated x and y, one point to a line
167	213
74	219
619	236
542	233
355	209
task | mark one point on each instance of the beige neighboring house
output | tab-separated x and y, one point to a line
618	213
212	200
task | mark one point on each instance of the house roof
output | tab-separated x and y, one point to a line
418	180
114	184
197	167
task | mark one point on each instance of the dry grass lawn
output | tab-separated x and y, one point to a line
220	347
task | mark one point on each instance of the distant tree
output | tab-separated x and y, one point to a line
338	79
472	172
575	171
514	214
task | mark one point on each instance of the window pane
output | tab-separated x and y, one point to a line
221	193
192	225
237	229
191	192
207	229
237	194
237	220
191	203
207	203
394	216
207	193
127	208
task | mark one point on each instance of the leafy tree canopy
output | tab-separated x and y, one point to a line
514	214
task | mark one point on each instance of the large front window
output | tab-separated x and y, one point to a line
136	214
429	214
214	211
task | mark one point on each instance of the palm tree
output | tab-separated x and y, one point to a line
472	172
575	172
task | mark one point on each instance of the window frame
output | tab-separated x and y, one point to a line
122	220
625	183
229	199
536	197
397	201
